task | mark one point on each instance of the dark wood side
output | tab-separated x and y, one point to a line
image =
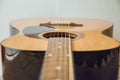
108	32
93	65
97	65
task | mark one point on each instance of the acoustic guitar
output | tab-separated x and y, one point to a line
60	49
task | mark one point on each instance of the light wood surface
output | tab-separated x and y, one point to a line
92	39
87	43
88	24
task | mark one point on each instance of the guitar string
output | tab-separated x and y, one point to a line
66	57
64	35
63	50
53	50
62	61
58	50
52	54
68	23
57	33
60	53
55	46
68	45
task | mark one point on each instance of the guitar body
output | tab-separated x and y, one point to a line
35	42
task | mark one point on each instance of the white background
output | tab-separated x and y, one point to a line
15	9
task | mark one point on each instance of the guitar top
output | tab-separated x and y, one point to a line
60	38
87	34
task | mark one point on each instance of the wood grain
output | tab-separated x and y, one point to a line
59	59
91	41
88	24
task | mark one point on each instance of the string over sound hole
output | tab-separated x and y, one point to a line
60	34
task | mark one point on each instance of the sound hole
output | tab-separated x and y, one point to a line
60	34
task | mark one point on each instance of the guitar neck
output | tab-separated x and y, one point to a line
58	60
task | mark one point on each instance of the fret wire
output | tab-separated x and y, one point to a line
61	56
46	56
49	51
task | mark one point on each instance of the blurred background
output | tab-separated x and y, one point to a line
16	9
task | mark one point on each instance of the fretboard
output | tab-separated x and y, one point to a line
58	60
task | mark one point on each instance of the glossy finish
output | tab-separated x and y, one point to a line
95	54
95	65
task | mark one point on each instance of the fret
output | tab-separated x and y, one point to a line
56	61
